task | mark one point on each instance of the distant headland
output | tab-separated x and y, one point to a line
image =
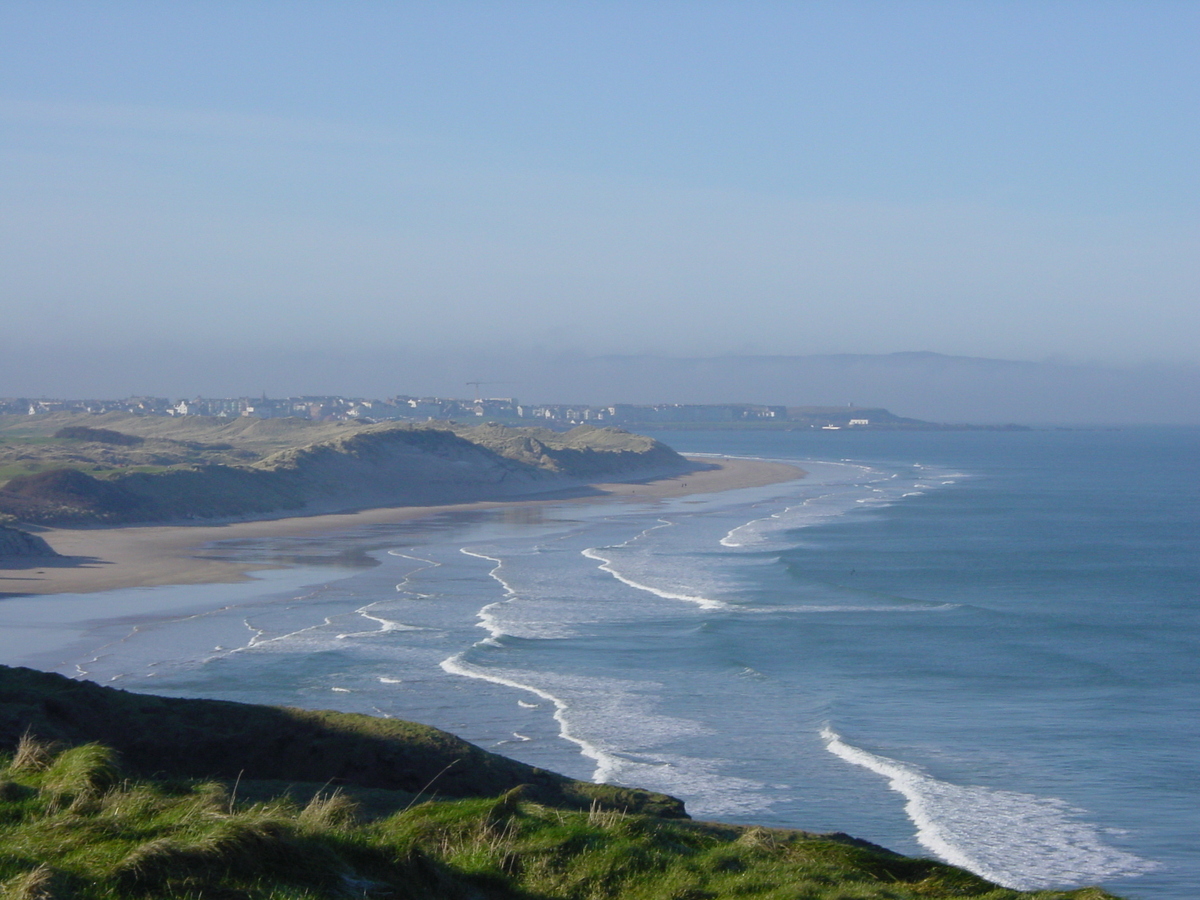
503	410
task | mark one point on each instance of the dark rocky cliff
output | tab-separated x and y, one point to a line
22	544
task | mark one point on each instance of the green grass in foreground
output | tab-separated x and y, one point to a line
72	826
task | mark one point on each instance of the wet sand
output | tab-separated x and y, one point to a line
102	559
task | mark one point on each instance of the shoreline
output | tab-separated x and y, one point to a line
103	559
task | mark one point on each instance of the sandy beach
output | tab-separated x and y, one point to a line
103	559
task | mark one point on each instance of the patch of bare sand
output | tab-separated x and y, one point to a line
103	559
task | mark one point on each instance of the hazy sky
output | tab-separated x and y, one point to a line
1010	179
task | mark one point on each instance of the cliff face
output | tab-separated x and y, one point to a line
349	467
17	543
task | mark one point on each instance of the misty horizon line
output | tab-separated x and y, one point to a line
554	349
923	384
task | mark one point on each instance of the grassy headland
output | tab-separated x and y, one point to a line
77	469
175	803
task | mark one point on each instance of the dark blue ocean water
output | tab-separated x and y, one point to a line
983	646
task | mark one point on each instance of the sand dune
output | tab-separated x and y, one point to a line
101	559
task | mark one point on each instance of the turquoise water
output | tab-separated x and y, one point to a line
979	645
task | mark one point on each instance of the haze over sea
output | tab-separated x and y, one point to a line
978	645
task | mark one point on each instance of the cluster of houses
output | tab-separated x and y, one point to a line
659	414
421	409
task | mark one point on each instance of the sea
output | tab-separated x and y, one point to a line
980	646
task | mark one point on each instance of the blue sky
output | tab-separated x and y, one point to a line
1015	180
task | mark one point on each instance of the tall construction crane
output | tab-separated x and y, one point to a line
478	383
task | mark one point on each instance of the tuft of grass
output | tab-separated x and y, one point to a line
32	755
42	883
81	773
254	845
329	812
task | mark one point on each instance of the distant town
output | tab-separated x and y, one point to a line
505	410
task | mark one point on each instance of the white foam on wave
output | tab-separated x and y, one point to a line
260	640
386	626
700	782
491	616
757	534
810	511
881	489
260	643
607	565
1020	841
606	763
402	587
751	532
486	616
617	712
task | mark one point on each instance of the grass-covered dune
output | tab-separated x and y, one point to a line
78	469
150	814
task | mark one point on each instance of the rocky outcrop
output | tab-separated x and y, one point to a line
22	544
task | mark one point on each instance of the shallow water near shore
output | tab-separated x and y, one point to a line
977	645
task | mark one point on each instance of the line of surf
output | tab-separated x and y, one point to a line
1020	841
607	565
390	625
607	764
751	533
486	619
